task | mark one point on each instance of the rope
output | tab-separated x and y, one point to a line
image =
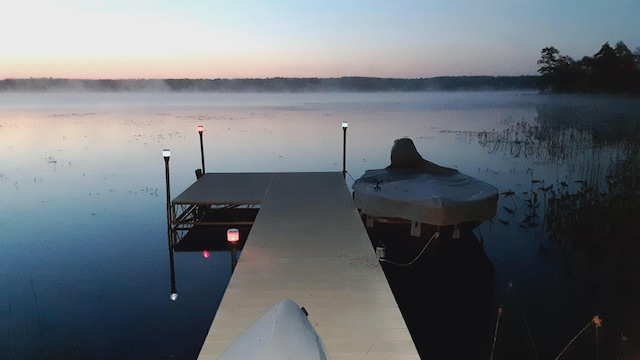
434	236
526	324
348	173
495	333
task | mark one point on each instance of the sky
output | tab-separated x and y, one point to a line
159	39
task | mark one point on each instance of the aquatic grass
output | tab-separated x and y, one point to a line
35	299
526	203
596	321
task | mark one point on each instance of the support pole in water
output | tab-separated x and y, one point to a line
344	148
200	131
166	153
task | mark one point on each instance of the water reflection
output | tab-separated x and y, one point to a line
444	292
174	291
87	214
209	240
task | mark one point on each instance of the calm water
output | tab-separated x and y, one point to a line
84	264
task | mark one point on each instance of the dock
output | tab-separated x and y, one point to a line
307	243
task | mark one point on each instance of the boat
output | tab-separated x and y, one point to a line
282	332
422	220
413	189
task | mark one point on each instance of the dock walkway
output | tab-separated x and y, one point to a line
307	244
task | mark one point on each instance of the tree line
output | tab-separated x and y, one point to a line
612	70
278	84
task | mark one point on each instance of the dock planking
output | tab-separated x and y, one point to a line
307	244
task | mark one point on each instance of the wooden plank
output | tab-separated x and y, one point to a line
309	245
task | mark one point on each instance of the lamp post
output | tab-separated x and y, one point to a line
166	153
344	148
200	131
233	237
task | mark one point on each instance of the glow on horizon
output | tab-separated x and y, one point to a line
251	38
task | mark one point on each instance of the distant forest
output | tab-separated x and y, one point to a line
278	84
612	70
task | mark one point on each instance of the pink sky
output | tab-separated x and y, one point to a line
245	39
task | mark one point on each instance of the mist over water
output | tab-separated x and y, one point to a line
83	250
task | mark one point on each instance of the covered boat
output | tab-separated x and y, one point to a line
416	190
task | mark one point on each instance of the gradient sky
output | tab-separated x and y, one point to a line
99	39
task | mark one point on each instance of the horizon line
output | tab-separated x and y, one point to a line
271	78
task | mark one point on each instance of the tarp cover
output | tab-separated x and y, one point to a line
283	332
415	189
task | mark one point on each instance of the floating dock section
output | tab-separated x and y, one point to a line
308	244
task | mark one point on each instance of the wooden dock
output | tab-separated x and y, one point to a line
307	244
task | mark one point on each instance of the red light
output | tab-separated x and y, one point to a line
200	129
233	235
205	253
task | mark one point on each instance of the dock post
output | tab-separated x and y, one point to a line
200	131
166	153
344	148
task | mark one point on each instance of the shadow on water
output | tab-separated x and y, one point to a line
445	295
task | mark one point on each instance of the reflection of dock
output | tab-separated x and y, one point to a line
307	244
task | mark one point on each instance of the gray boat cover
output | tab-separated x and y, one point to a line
418	190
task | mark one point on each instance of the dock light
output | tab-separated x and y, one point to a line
200	131
381	251
233	235
344	148
166	153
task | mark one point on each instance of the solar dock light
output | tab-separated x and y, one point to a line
233	237
344	148
200	131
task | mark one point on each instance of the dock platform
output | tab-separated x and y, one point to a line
308	244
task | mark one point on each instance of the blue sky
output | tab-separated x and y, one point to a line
330	38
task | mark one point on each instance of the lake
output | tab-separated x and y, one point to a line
84	261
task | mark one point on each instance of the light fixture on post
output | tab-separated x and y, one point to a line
200	131
344	148
233	237
166	153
